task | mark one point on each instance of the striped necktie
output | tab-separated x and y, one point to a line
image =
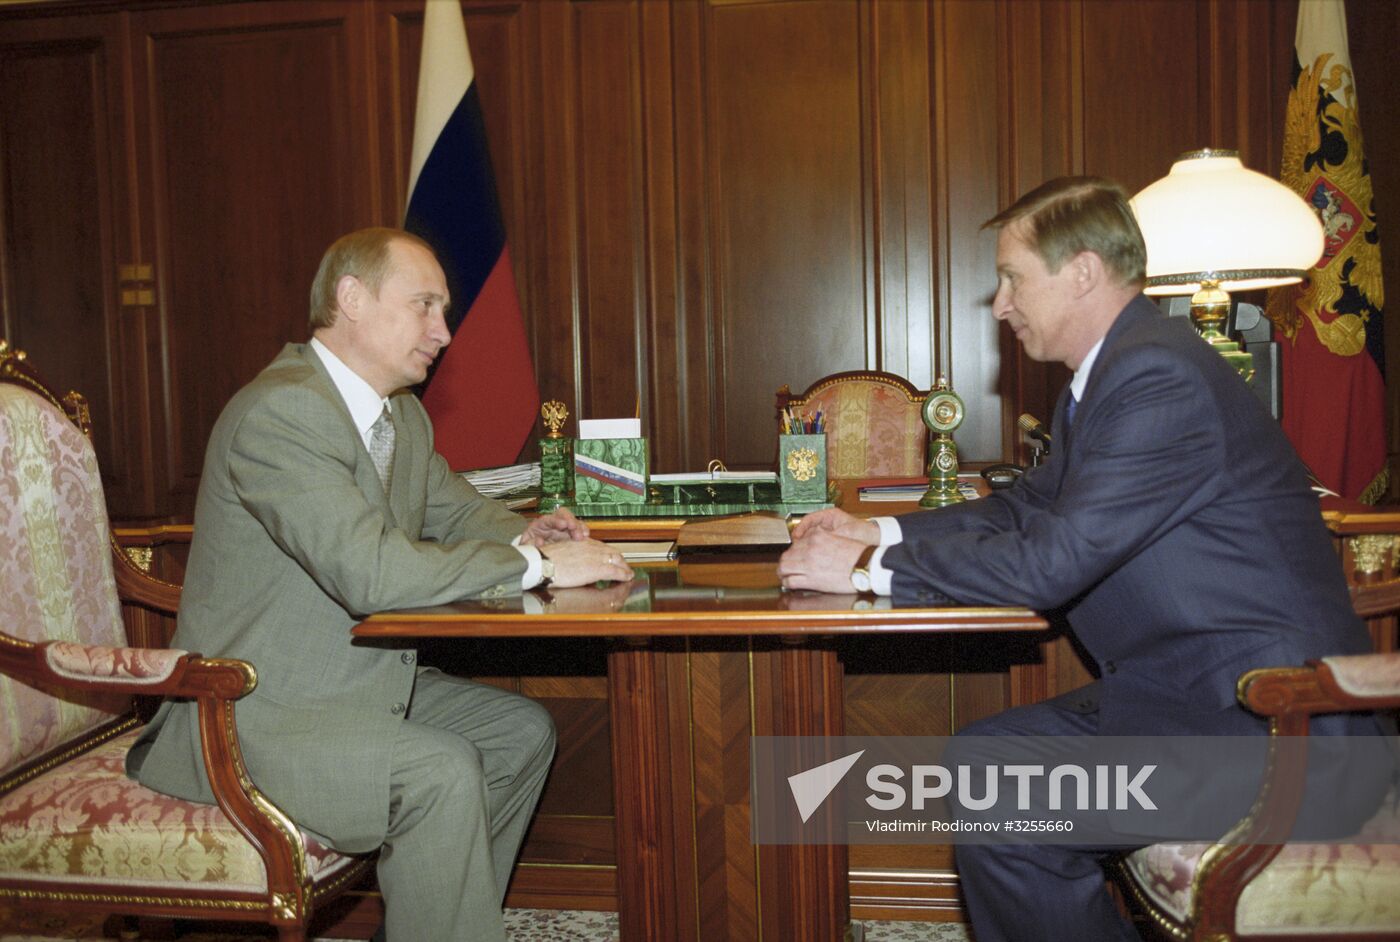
381	447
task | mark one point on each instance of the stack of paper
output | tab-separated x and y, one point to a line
498	482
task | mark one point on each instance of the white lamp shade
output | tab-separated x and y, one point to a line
1212	216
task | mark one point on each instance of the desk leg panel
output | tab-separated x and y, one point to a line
804	889
643	795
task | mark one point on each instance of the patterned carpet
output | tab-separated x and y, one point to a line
523	925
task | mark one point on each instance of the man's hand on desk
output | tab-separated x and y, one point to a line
553	528
837	521
820	559
581	562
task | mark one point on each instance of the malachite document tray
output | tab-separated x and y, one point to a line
707	499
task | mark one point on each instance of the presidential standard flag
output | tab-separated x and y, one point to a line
1333	348
481	395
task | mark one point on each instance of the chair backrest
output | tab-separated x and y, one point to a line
56	578
873	423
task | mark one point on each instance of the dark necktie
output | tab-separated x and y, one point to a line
1070	406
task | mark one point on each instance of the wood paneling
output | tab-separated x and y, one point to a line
705	200
964	40
1134	138
254	163
1041	128
62	185
903	165
785	119
721	698
610	321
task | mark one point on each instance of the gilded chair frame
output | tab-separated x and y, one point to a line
1288	696
215	684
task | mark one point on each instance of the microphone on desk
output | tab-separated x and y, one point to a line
1032	427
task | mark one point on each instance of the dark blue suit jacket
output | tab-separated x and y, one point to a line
1175	525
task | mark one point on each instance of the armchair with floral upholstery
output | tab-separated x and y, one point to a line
873	423
1253	885
75	832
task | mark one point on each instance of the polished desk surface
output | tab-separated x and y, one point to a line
717	595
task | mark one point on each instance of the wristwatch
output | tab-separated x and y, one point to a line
860	575
546	572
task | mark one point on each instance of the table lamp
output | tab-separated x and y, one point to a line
1212	226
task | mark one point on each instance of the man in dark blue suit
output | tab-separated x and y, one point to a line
1174	525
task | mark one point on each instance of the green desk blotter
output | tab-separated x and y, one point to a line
708	499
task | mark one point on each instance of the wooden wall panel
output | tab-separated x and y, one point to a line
1040	119
697	398
62	184
610	318
255	169
704	200
902	142
1134	138
966	80
786	189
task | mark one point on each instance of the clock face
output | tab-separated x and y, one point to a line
943	411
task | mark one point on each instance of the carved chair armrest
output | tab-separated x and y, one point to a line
1333	685
135	585
138	671
215	684
1288	696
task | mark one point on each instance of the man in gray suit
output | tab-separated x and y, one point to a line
1174	526
322	501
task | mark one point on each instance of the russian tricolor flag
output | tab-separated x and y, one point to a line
482	395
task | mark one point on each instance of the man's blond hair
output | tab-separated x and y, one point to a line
363	253
1069	215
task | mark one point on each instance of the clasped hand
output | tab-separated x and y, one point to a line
825	548
554	528
577	559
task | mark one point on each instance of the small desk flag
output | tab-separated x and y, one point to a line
1333	346
482	395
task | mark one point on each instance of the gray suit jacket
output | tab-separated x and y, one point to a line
294	540
1175	525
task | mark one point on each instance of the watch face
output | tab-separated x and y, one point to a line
860	579
943	411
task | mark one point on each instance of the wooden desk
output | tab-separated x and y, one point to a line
715	692
679	630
